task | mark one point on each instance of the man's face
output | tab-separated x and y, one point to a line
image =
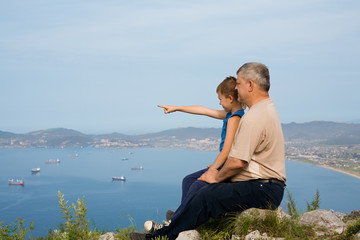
241	88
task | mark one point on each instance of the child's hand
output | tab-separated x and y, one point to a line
168	108
209	176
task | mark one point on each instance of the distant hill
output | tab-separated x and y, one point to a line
56	137
6	134
61	137
185	133
331	133
178	133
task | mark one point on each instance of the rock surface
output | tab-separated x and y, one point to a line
189	235
108	236
255	235
324	221
262	213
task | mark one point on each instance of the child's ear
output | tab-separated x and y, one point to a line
231	98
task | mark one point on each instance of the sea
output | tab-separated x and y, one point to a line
86	173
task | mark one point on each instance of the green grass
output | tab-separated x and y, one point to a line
243	224
77	227
15	230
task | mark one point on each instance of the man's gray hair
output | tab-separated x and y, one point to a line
256	72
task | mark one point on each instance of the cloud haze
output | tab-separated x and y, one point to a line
103	66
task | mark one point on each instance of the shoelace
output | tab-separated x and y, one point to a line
157	226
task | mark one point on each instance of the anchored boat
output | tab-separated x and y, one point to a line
35	170
137	168
52	161
16	182
122	178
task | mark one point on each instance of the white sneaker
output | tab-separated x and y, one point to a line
166	223
151	226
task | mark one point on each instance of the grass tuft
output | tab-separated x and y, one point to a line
271	223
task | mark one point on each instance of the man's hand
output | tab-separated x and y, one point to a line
209	176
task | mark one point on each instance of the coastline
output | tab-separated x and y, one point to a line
340	170
330	168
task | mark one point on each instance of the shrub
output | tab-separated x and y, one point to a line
15	230
293	209
352	228
75	227
291	206
315	204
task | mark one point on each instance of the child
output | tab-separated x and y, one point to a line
233	111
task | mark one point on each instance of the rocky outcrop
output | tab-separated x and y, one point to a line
189	235
262	213
352	215
324	222
108	236
256	235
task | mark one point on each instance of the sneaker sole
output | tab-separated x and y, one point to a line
148	225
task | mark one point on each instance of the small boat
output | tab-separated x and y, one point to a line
137	168
124	159
122	178
73	155
16	182
50	161
35	170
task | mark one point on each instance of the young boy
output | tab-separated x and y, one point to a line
233	111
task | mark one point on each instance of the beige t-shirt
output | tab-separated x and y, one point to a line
259	141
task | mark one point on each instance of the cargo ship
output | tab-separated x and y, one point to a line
35	170
137	168
122	178
52	161
16	182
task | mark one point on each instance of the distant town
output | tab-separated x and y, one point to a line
339	157
327	144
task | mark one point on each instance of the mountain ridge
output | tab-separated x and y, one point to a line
323	132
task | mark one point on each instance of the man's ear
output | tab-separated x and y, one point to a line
251	85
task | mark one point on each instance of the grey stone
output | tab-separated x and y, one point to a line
324	221
340	215
189	235
262	213
352	215
256	235
107	236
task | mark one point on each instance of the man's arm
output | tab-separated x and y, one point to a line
232	167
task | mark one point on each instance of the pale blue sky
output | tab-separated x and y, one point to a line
103	66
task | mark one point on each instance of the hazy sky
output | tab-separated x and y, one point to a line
103	66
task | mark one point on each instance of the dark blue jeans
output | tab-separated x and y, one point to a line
214	200
190	186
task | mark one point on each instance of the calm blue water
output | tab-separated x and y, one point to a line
146	194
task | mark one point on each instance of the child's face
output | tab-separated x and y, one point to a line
225	102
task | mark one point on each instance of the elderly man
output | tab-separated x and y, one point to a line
254	174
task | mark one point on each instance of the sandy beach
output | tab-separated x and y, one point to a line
340	170
331	168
